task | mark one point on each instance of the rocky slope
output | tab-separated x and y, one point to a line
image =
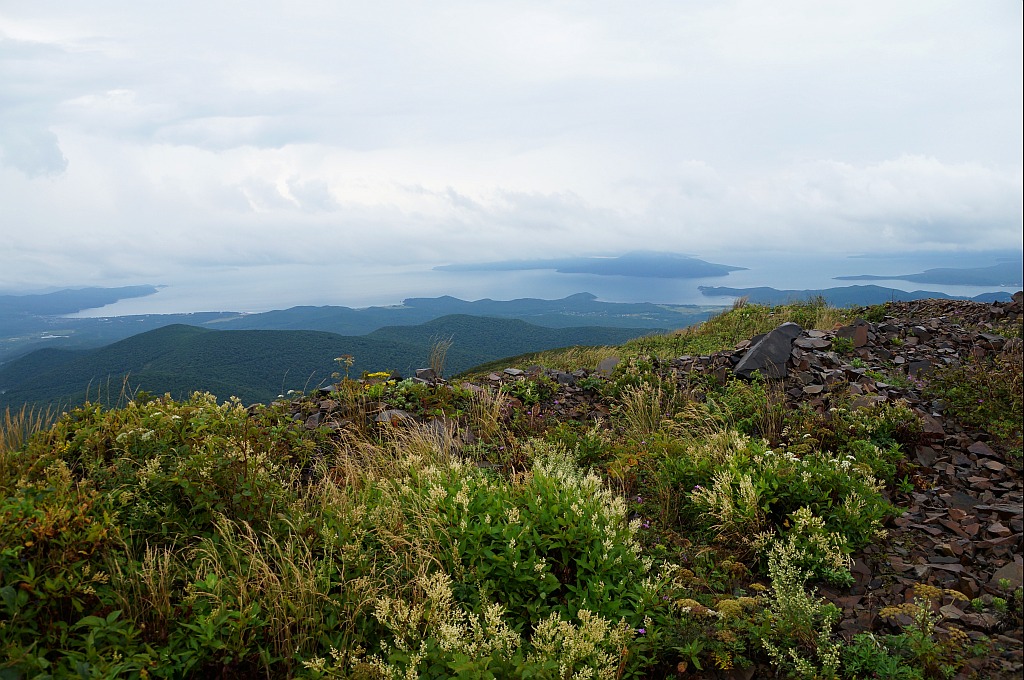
963	520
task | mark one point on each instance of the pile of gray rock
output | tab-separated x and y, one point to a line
963	524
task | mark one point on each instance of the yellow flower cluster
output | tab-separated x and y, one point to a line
730	609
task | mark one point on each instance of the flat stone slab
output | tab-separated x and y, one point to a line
769	355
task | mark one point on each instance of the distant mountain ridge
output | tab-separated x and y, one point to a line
843	296
257	365
69	300
642	264
1001	274
22	333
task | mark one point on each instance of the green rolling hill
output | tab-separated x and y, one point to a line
23	331
257	365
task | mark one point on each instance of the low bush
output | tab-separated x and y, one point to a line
986	394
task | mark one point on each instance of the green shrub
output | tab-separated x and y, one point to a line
531	391
590	445
755	490
844	346
986	394
800	639
756	408
869	657
417	398
876	436
920	644
557	542
876	313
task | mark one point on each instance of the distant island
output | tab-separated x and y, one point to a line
642	264
843	296
69	300
1003	274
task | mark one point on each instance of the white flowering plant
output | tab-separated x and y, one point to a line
556	541
740	489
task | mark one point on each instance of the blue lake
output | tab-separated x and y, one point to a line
262	288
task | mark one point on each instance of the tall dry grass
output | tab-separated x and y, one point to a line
146	594
16	427
283	578
486	412
643	407
439	353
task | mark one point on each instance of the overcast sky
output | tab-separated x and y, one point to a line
140	140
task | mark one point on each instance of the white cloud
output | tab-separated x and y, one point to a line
909	202
140	140
33	150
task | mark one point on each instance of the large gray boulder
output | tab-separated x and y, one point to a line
769	355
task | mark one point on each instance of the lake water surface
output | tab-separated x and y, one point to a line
262	288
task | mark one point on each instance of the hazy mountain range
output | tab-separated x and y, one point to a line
1010	273
843	296
643	264
48	356
22	330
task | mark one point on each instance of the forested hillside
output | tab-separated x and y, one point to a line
28	322
257	365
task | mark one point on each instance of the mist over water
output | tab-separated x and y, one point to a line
263	288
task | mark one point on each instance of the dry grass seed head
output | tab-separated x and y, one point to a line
643	407
439	353
283	578
485	413
145	594
694	421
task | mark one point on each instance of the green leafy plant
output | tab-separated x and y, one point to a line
919	643
845	346
869	657
801	637
756	408
591	383
875	313
530	391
